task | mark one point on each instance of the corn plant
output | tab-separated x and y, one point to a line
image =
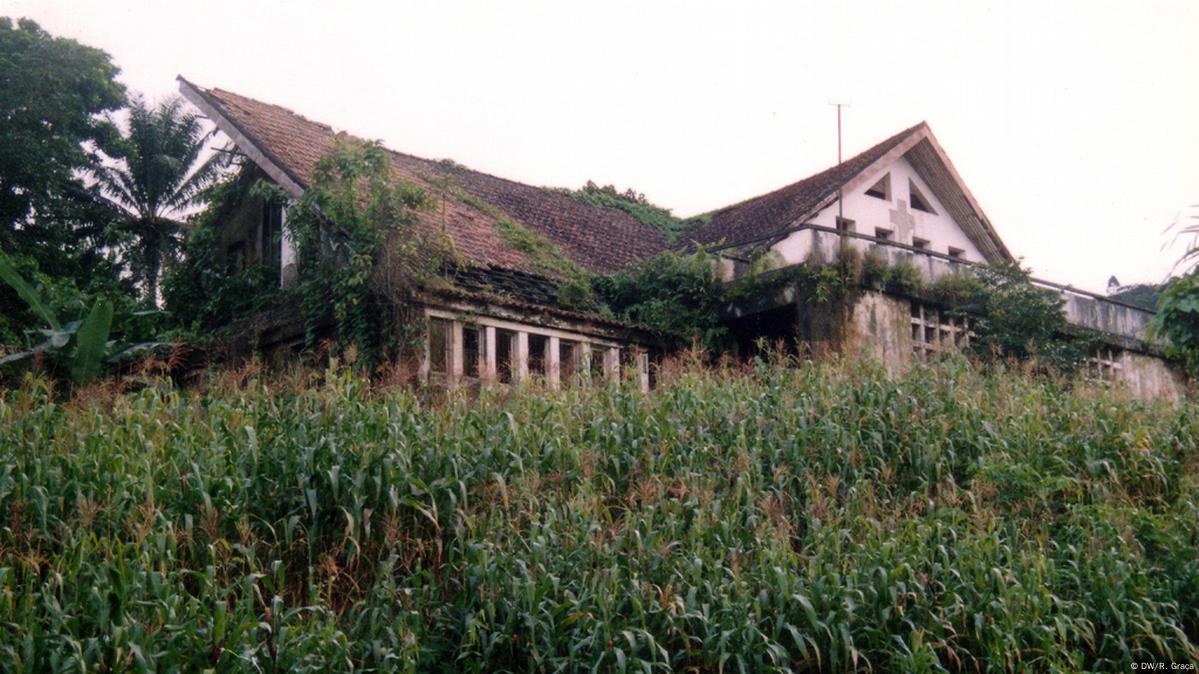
783	517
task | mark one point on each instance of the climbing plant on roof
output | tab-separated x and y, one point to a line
360	257
678	296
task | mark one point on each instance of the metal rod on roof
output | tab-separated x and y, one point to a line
840	207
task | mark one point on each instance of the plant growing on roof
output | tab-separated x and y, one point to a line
635	204
677	296
361	256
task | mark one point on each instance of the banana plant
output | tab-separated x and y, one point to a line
80	347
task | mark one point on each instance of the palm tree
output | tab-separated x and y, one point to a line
1186	224
157	175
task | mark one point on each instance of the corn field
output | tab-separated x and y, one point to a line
780	517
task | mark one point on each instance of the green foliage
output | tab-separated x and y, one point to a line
632	202
902	277
1012	318
789	519
359	256
201	292
1177	320
91	342
1177	316
154	176
677	296
54	94
821	283
9	275
76	349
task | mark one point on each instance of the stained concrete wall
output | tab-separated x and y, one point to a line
882	329
1125	323
879	325
1149	377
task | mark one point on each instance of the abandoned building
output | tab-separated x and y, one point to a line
900	201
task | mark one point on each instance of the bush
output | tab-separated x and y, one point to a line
677	296
1013	319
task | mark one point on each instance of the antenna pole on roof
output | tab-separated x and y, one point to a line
840	208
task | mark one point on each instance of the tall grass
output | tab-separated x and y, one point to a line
792	517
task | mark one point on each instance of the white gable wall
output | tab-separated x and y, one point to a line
869	213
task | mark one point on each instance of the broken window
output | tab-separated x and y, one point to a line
272	230
538	345
1103	366
505	352
472	339
568	360
235	257
596	366
919	243
884	234
881	189
439	346
917	199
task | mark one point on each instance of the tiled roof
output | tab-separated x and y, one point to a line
527	288
596	239
763	215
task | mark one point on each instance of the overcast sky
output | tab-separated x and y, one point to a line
1074	124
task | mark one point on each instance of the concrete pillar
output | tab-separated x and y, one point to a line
489	354
522	356
456	355
612	363
553	368
423	372
643	371
585	356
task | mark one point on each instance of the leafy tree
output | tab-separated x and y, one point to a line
54	94
157	177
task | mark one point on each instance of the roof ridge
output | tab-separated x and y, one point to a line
791	201
891	139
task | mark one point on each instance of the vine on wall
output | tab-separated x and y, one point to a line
355	214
